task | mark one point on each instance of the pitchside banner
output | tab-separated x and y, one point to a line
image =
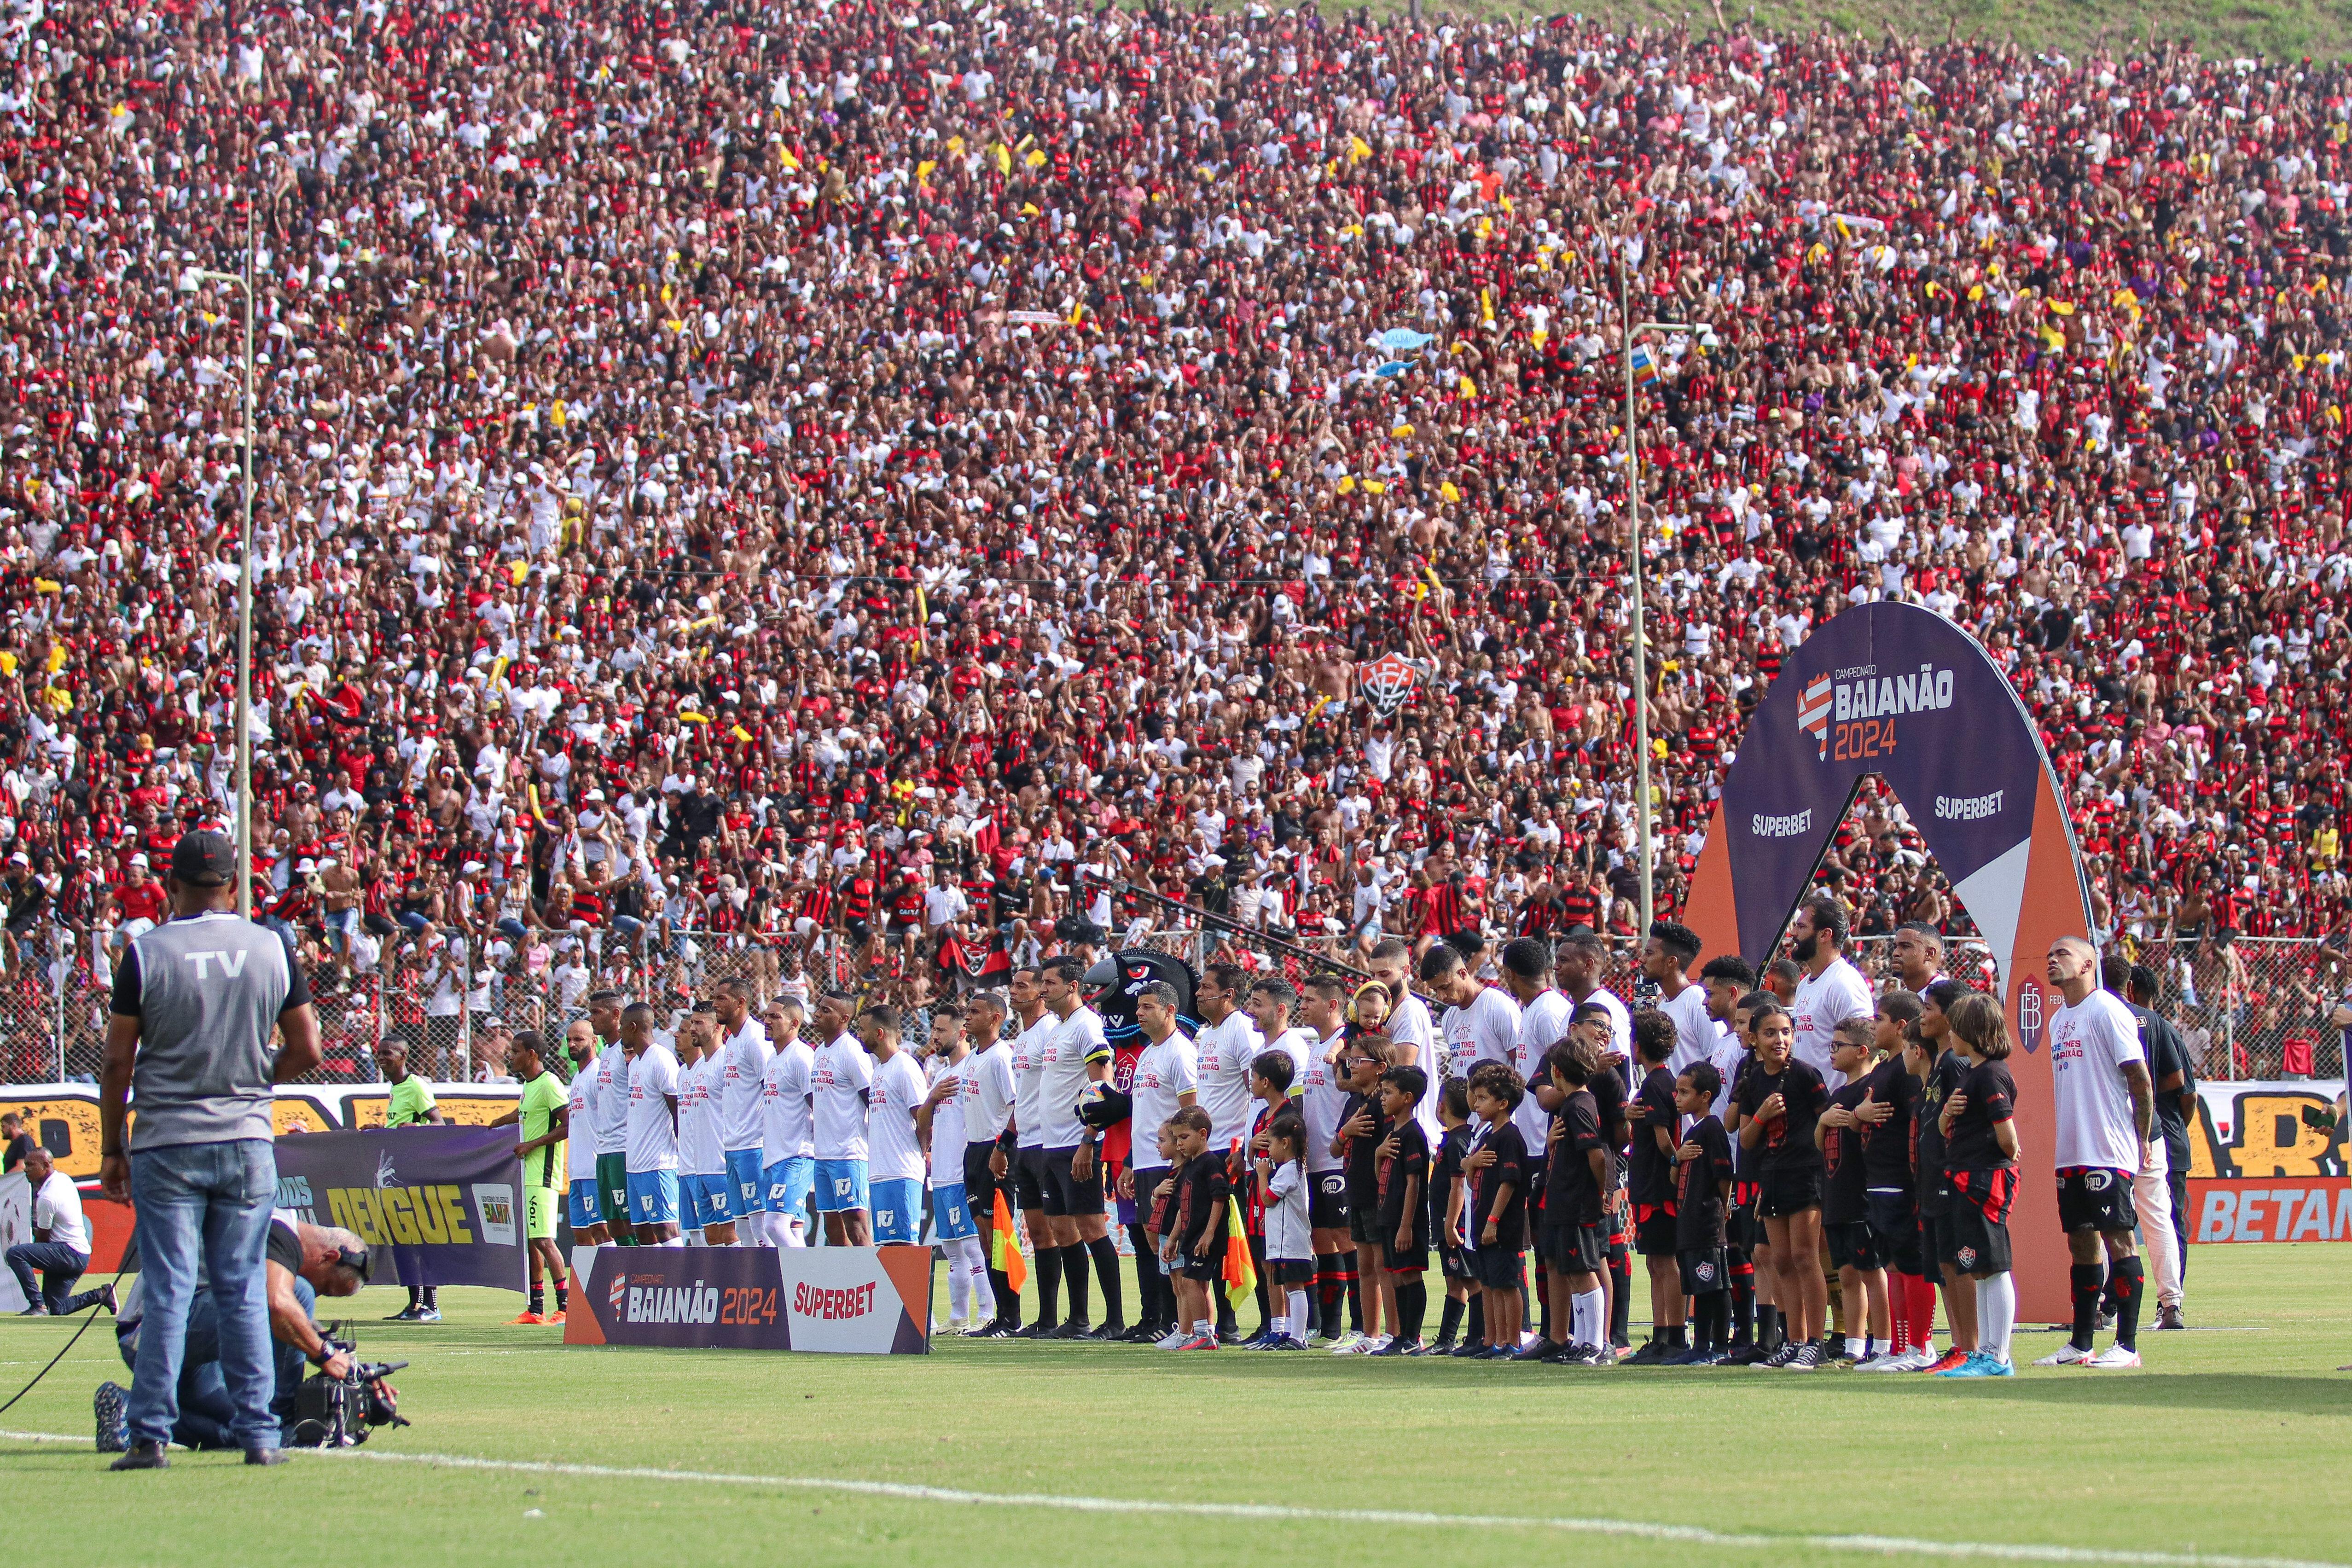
860	1300
1899	691
446	1201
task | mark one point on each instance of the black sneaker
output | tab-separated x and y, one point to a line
1404	1347
1579	1355
1542	1350
1106	1333
1141	1334
1651	1352
1808	1358
1466	1349
37	1309
1438	1347
1071	1329
1833	1348
1229	1338
143	1457
1778	1357
1039	1330
265	1456
405	1315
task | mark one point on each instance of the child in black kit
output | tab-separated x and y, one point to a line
1703	1195
1449	1197
1403	1165
1496	1166
1194	1244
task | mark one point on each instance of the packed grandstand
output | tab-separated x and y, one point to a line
879	487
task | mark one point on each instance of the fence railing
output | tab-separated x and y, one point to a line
2253	1008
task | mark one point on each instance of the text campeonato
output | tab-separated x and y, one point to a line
1925	692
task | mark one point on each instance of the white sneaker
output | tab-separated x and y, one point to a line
955	1326
2068	1356
1367	1347
1347	1343
2114	1356
1170	1340
1898	1360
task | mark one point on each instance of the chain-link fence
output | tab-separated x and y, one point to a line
2253	1008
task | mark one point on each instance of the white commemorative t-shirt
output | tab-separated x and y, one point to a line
1484	1031
652	1138
1162	1073
1822	1001
1409	1024
1071	1044
613	1099
841	1074
787	1130
1542	1023
894	1094
1695	1031
1323	1101
56	1208
580	1128
991	1090
701	1153
1224	1051
742	1086
947	1135
1029	1080
2089	1044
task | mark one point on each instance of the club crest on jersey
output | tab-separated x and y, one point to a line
1704	1273
1966	1258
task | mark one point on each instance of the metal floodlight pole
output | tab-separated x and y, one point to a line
1632	329
244	284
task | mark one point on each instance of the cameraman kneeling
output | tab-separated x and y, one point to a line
304	1262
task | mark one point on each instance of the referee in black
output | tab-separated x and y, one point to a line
196	1001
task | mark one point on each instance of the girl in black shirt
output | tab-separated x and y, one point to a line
1778	1102
1980	1151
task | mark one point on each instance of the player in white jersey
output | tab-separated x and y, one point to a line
839	1078
1544	1013
1410	1022
1224	1048
1323	1102
2105	1102
652	1130
588	1227
742	1052
1024	1163
1076	1061
1728	978
1666	958
943	1127
1167	1080
1828	990
701	1163
895	1160
988	1112
612	1123
1579	961
787	1131
1481	1022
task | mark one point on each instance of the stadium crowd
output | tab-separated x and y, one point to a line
870	483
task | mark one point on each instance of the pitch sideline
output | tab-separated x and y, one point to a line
1686	1535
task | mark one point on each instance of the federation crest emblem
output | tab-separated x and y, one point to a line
2029	1015
1388	681
1814	706
619	1293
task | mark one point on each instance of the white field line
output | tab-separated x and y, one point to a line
1641	1530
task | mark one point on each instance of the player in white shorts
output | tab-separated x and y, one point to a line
895	1159
941	1125
740	1085
838	1080
787	1150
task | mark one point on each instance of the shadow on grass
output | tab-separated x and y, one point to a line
2315	1393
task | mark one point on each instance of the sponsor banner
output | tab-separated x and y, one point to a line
446	1201
857	1301
2318	1209
2253	1131
1896	690
63	1116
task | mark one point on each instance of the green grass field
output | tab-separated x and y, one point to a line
2235	1442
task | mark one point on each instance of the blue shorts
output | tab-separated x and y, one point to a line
790	1181
897	1211
951	1214
583	1204
705	1199
652	1197
746	1192
840	1186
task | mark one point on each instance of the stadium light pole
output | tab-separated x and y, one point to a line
244	284
1633	521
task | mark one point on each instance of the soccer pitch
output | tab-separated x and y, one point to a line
2233	1445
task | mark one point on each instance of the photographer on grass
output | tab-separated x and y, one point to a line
303	1263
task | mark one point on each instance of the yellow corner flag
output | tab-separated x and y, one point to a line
1241	1274
1005	1247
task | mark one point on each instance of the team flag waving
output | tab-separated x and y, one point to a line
1005	1246
1241	1274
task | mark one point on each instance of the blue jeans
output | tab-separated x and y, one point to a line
204	1208
59	1267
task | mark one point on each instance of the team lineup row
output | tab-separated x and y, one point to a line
1759	1155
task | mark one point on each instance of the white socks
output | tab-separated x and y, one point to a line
1301	1317
1586	1314
959	1290
675	1241
1996	1314
973	1264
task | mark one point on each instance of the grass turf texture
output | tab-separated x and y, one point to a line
2230	1444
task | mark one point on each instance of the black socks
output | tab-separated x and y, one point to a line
1105	1257
2131	1281
1073	1279
2088	1279
1049	1286
1413	1305
1449	1319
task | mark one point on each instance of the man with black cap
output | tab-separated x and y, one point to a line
196	1002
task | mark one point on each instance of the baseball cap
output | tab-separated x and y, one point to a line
203	859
